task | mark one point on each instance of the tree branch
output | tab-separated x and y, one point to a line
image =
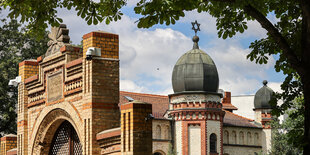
305	36
276	35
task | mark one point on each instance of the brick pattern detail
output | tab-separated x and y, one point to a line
136	131
28	69
7	143
185	125
108	43
266	119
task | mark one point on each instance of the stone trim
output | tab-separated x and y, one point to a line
109	133
70	48
74	63
99	106
31	79
195	114
100	34
36	103
29	62
239	145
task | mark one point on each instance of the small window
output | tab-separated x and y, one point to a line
213	141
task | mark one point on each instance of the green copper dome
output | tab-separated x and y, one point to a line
263	96
195	71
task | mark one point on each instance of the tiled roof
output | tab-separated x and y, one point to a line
159	103
231	119
229	106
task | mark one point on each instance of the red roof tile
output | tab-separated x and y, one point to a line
231	119
229	106
159	103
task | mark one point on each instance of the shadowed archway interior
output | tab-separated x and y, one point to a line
66	141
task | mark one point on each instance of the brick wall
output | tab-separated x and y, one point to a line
108	42
101	87
136	131
8	142
28	69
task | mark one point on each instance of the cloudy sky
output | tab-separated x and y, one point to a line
147	56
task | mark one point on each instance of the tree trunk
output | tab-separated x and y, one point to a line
306	89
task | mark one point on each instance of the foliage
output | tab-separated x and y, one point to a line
171	150
288	37
287	137
15	46
38	16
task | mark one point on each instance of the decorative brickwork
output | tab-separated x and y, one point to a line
65	87
197	112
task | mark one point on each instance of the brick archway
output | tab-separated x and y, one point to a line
45	131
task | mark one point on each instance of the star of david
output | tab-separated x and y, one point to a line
195	28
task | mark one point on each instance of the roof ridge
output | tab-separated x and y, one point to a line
239	116
145	94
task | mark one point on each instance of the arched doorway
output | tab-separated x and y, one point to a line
66	141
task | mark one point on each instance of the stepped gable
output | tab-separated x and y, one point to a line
159	102
231	119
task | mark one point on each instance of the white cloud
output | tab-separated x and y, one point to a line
208	25
275	86
148	56
127	85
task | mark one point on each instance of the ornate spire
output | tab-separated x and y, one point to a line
265	82
195	38
58	38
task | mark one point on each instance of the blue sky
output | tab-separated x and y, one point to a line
148	55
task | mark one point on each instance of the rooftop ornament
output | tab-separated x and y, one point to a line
195	38
58	38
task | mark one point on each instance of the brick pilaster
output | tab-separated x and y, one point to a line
8	142
101	86
27	69
136	130
108	42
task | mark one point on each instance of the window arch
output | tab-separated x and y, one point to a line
213	141
166	132
226	137
256	139
234	137
158	132
249	138
241	138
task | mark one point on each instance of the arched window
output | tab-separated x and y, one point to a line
167	132
256	139
158	132
157	153
226	137
249	139
234	137
241	138
213	141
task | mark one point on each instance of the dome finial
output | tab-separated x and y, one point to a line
195	38
265	82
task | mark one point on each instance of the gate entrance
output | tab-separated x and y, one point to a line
66	141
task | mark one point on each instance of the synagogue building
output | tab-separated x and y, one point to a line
69	103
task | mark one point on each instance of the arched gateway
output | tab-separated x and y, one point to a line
66	141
